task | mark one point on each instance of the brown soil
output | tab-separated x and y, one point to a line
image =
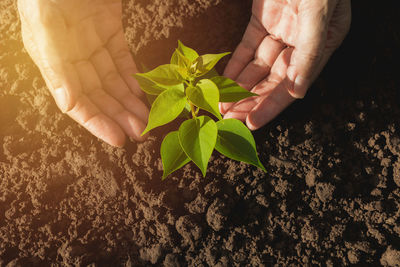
331	196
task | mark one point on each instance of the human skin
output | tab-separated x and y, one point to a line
286	45
80	48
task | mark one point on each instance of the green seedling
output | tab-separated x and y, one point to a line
183	88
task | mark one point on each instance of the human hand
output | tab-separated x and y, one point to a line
284	48
81	51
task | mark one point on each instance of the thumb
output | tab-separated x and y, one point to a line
61	94
309	44
48	52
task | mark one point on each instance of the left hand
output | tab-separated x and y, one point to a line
286	45
81	51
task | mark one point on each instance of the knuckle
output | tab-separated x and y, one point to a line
70	106
86	122
260	62
247	45
311	56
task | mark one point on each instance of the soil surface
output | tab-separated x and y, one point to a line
331	196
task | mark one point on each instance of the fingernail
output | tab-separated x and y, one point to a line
221	108
61	98
254	119
299	88
295	83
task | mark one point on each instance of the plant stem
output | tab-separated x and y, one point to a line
192	107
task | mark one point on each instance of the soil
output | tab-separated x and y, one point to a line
331	196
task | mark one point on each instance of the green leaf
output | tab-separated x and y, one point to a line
212	73
236	142
172	155
148	86
184	57
198	137
187	52
167	106
180	87
205	63
205	95
144	68
152	88
164	75
179	59
230	91
151	98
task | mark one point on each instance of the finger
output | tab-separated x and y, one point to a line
91	118
115	8
259	68
274	91
90	45
335	36
63	83
110	30
29	43
242	109
269	107
246	49
313	20
51	51
115	85
92	85
47	50
131	125
122	57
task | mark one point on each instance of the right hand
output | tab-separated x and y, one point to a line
81	51
283	50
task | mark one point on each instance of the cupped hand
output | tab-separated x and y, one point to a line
286	45
81	51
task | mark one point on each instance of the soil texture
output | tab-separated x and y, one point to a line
331	196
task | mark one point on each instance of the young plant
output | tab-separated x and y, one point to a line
184	87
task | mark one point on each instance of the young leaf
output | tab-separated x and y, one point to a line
152	88
179	59
187	52
167	106
229	90
205	95
148	86
236	142
164	75
172	155
198	137
205	63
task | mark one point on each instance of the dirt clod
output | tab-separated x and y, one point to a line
391	257
330	196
